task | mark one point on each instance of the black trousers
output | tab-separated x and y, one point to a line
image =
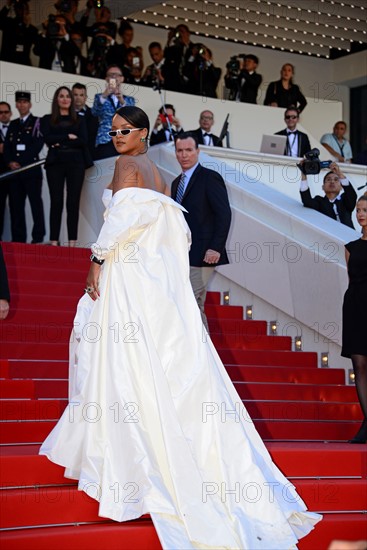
22	186
57	174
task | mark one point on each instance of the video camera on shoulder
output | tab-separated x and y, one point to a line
234	64
312	164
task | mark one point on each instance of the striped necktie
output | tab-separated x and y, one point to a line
181	188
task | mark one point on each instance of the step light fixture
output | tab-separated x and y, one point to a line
298	343
325	359
226	298
249	312
273	328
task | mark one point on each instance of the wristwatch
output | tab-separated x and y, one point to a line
94	259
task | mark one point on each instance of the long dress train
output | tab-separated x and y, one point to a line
154	424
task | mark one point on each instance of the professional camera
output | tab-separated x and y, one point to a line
233	64
312	165
53	27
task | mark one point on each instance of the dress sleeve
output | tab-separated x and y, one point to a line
124	222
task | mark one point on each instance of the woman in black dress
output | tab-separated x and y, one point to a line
65	133
284	93
355	314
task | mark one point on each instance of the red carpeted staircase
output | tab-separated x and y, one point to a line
304	414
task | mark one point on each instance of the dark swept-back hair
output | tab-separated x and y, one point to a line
362	198
186	135
55	109
136	116
167	106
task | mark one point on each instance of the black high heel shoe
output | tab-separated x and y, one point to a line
361	435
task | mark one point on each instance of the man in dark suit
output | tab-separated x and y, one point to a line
244	83
297	144
5	116
80	98
22	145
18	33
163	135
202	192
54	47
203	134
334	204
177	54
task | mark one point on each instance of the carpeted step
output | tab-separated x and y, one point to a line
293	430
25	432
295	375
307	459
300	410
32	409
21	464
47	273
293	392
335	527
38	369
223	312
46	505
282	430
212	298
35	350
17	389
250	342
41	255
241	327
66	302
268	358
50	288
63	310
137	535
52	332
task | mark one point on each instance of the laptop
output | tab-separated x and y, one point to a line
273	145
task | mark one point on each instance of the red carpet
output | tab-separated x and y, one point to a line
305	414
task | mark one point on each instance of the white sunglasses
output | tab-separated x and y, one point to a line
124	132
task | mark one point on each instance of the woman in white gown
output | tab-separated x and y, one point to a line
154	424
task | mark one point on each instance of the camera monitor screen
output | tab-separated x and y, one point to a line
273	145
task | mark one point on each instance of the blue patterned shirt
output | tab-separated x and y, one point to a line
105	110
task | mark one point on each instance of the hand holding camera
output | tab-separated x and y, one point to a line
311	164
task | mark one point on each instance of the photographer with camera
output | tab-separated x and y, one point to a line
54	47
176	54
152	76
105	106
335	203
167	119
242	79
202	76
18	34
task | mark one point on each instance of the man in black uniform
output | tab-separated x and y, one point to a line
22	145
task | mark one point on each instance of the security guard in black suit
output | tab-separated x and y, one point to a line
22	145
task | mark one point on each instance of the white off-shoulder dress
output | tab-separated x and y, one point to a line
154	424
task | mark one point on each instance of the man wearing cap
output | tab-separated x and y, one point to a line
22	145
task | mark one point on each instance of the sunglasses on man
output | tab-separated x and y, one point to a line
124	132
291	117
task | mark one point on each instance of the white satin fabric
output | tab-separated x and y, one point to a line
154	424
